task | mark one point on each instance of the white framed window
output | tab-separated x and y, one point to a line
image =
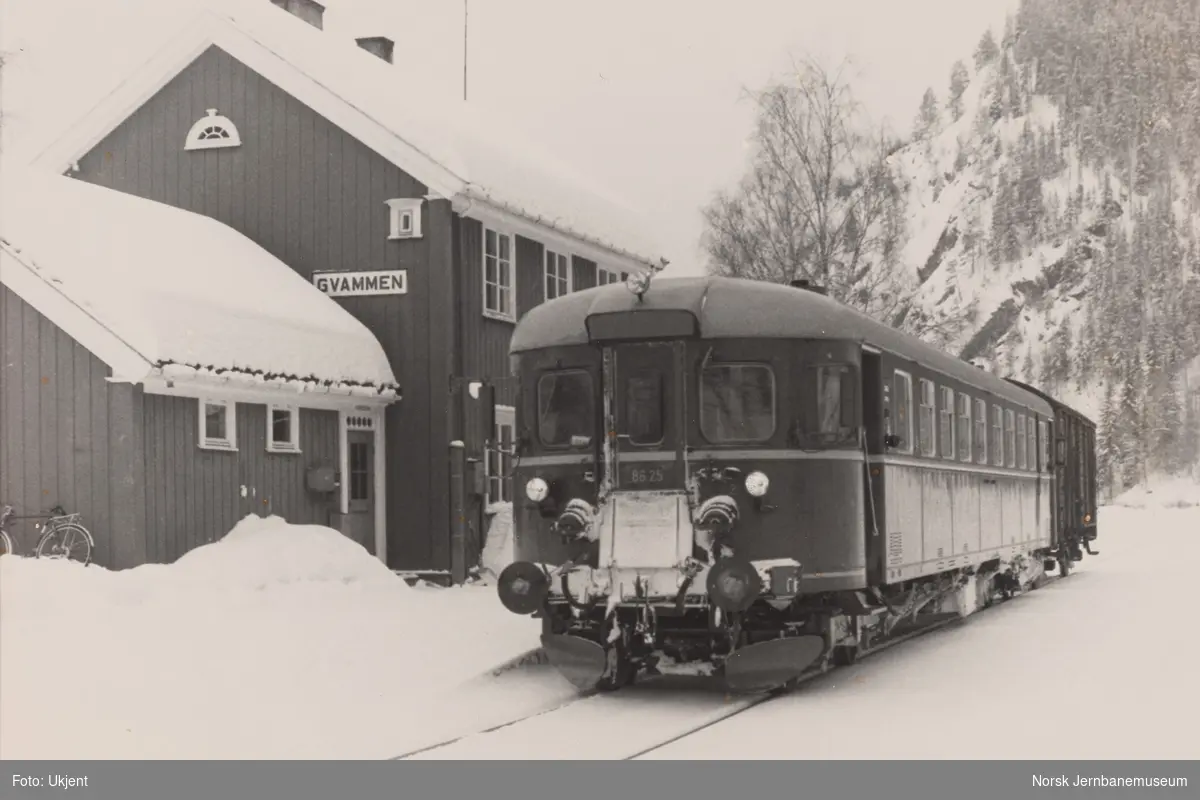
900	423
283	429
607	276
997	444
218	424
498	462
981	440
964	427
1010	443
499	293
946	419
212	131
1022	441
404	216
926	432
557	274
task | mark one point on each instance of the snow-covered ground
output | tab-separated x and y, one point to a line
277	642
291	642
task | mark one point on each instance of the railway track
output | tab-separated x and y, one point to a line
631	723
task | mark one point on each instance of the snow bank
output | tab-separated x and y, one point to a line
278	641
165	290
1162	492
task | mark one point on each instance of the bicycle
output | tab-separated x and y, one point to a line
60	532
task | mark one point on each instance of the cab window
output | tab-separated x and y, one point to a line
737	403
566	401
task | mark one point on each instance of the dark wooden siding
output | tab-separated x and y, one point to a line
314	197
195	496
66	435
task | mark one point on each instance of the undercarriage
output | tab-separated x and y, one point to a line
768	645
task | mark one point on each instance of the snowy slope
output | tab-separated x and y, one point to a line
78	51
1015	239
177	289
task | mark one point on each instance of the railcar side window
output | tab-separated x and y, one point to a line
981	442
1044	435
946	418
997	443
901	423
964	427
928	445
1031	447
1021	440
644	410
1010	449
565	407
737	403
835	403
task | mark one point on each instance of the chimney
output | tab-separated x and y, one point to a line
806	284
310	11
380	46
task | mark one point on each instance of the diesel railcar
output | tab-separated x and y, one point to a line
753	481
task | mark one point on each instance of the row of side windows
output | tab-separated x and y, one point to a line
499	272
959	423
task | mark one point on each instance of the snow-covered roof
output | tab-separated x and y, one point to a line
158	292
110	57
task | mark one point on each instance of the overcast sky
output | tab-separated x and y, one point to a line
644	94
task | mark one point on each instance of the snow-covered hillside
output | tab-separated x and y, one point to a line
1029	247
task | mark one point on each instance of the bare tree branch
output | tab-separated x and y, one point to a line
819	200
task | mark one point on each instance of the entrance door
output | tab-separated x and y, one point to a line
646	410
361	457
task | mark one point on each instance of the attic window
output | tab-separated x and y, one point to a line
405	218
212	131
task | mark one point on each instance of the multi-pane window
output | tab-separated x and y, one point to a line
359	458
1022	440
946	422
499	457
925	431
557	274
964	427
981	432
498	274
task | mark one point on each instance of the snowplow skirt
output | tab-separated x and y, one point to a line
770	665
580	661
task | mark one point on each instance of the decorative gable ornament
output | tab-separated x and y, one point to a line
212	131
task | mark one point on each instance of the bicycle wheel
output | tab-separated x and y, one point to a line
71	541
6	545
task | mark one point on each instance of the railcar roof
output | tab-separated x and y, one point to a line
740	308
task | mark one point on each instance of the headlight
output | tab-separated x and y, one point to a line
536	490
757	484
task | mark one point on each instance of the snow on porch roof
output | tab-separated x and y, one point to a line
445	144
155	291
